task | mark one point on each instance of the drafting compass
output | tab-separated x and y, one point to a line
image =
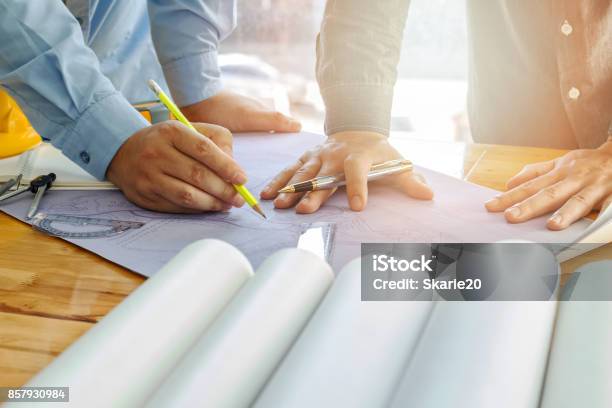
37	186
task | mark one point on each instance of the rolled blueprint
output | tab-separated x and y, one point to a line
232	361
123	358
351	354
479	355
580	366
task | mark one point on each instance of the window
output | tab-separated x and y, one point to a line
271	55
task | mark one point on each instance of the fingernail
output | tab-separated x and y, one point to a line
514	211
239	178
556	219
238	201
356	203
226	207
493	201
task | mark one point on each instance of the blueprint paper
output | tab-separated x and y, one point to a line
351	353
121	360
236	355
580	365
456	214
479	355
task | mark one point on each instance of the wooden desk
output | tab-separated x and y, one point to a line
51	291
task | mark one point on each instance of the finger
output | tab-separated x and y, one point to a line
208	153
522	192
313	200
218	134
530	172
280	181
273	121
307	171
356	168
578	206
545	201
196	174
414	185
186	196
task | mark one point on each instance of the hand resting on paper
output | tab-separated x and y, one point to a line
169	167
239	113
352	153
572	186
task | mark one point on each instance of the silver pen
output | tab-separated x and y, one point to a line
326	182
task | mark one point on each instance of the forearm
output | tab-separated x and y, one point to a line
186	35
358	50
55	78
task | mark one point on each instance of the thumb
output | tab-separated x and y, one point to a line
274	121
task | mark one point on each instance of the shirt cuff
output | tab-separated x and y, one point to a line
100	132
360	107
193	79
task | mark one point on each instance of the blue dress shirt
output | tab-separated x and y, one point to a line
75	68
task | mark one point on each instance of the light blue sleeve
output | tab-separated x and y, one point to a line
186	35
56	79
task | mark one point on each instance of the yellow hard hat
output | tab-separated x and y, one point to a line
16	133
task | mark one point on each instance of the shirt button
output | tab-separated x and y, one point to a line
85	157
574	93
566	28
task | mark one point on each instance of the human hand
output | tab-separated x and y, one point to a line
573	185
169	167
239	114
352	153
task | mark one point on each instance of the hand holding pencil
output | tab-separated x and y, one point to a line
169	167
239	187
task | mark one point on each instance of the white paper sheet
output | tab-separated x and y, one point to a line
122	359
580	366
456	214
45	158
479	355
236	355
351	354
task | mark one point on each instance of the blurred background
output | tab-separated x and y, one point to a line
271	55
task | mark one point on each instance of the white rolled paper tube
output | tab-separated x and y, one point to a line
235	357
123	358
479	355
351	354
580	366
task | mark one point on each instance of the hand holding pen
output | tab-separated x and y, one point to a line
351	153
376	172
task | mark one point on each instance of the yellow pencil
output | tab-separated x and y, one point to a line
165	99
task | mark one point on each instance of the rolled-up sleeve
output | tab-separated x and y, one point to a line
358	49
56	79
186	35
